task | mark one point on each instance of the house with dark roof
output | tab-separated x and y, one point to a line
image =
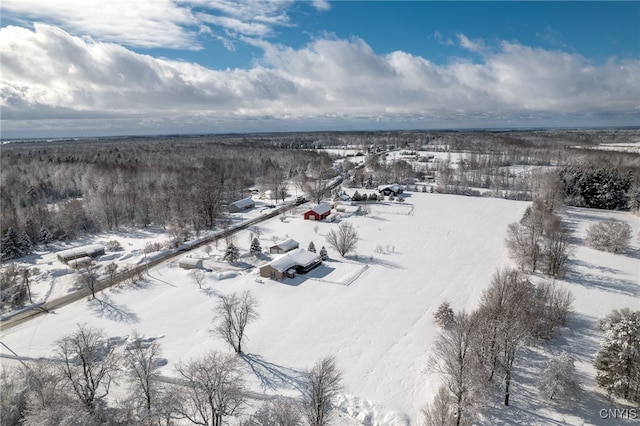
298	261
393	189
319	212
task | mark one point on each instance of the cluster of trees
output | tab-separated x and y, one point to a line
476	352
541	240
74	386
596	187
61	189
14	245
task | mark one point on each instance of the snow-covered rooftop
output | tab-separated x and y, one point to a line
90	250
297	257
322	208
286	245
245	202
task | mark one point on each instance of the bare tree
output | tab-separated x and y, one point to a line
214	387
345	239
280	411
89	364
453	357
48	400
524	239
439	412
111	269
553	310
556	246
13	291
198	276
323	382
89	278
315	188
507	316
143	358
12	397
235	312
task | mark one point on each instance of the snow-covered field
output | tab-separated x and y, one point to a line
372	311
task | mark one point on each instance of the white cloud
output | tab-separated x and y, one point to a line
321	5
50	75
156	23
477	45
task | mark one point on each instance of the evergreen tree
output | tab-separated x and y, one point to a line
312	247
323	253
45	235
24	244
10	245
255	248
618	361
232	254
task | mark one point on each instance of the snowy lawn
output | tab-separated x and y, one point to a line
372	310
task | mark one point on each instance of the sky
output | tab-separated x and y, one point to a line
85	68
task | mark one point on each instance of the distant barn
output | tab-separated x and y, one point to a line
319	212
66	256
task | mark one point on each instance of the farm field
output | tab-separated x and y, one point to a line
372	311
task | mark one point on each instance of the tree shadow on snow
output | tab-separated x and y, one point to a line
106	308
273	376
600	277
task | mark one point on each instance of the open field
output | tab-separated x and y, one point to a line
373	311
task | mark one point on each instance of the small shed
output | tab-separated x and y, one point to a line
319	212
286	266
242	205
90	251
284	246
190	263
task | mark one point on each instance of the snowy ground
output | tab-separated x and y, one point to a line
372	311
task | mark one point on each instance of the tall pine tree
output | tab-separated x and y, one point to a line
255	248
618	361
10	245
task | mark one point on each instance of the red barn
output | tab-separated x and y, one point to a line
319	212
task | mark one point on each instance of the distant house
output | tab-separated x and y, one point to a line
284	246
65	256
298	261
242	205
393	189
190	263
319	212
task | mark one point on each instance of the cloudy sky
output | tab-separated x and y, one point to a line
120	67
